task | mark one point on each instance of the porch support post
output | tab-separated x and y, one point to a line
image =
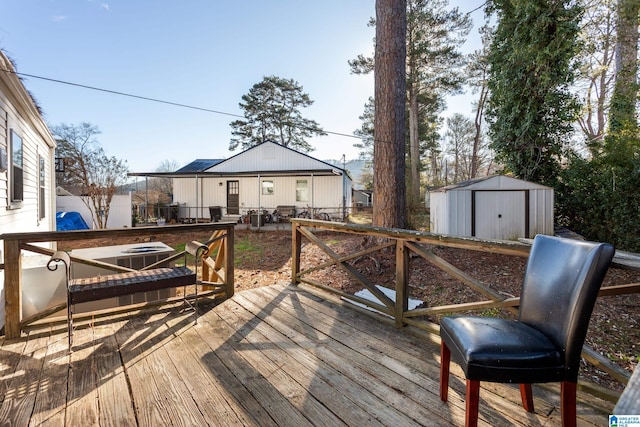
12	288
313	196
402	282
228	261
146	200
296	246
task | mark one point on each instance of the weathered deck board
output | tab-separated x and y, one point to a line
49	409
116	407
301	367
351	365
22	388
215	403
275	356
382	367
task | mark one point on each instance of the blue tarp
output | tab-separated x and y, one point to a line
70	221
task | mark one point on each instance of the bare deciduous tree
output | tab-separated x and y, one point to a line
87	169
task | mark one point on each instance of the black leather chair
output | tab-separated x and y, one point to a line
559	290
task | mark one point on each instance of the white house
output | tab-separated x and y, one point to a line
495	207
265	176
27	174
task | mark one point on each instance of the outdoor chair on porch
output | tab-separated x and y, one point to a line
119	284
559	290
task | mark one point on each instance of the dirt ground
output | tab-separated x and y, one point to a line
264	258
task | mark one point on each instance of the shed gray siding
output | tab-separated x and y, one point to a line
454	209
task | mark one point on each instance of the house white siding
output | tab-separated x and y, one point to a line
328	188
324	192
25	216
268	157
36	210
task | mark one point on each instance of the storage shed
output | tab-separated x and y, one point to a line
495	207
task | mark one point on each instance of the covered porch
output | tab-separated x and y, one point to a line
280	355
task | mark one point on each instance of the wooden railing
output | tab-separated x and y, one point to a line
218	269
405	242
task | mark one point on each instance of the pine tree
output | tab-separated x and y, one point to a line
272	113
390	89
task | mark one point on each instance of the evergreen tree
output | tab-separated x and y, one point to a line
434	69
389	209
272	112
531	110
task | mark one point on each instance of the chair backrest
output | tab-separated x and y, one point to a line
560	287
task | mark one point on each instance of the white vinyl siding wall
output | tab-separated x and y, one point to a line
25	215
328	189
324	192
268	157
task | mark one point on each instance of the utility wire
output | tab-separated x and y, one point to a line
477	8
177	104
146	98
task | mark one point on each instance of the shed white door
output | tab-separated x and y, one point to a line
500	214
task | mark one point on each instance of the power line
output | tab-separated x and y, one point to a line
477	8
115	92
146	98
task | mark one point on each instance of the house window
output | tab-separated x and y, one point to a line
17	172
302	190
267	188
41	199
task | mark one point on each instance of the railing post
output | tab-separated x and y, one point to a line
12	288
228	261
402	282
296	247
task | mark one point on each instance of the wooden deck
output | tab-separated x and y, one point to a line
273	356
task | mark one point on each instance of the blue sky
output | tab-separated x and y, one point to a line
204	53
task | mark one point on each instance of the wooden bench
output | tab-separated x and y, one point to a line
286	212
127	283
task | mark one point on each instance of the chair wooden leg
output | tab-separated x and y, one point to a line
70	323
473	398
568	403
527	397
445	360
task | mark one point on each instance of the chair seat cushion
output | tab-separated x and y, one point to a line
500	350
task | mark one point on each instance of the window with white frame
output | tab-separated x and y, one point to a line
42	184
267	188
16	156
302	190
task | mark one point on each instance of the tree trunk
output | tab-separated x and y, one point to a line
623	103
414	147
389	204
475	163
